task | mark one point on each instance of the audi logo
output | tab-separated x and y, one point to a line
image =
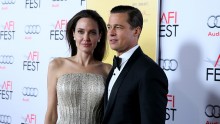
29	91
32	29
5	119
212	111
169	64
8	1
6	59
214	21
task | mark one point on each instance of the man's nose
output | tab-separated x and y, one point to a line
111	32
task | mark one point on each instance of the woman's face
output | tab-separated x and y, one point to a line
86	35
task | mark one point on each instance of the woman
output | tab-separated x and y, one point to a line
76	83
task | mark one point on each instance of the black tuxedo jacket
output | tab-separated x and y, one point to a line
139	95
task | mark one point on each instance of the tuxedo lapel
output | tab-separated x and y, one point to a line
115	88
119	81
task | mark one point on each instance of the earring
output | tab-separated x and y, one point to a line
74	38
98	40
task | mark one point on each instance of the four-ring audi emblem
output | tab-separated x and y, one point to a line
214	21
6	59
212	111
32	29
30	91
8	1
168	64
5	119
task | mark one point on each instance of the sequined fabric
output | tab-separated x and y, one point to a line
79	96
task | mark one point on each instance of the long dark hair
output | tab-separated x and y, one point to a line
100	49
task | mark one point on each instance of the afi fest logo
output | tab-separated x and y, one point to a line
170	110
31	30
30	119
7	3
7	31
59	31
213	22
168	24
32	62
32	4
213	73
6	90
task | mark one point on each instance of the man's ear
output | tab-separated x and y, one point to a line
137	31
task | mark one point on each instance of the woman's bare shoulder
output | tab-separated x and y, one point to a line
59	66
57	62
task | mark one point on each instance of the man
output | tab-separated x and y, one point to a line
136	91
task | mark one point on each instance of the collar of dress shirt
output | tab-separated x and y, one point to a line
125	56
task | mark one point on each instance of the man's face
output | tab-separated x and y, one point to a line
120	35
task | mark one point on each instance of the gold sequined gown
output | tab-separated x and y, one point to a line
79	97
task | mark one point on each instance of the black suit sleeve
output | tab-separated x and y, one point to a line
153	89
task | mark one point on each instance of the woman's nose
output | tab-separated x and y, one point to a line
86	36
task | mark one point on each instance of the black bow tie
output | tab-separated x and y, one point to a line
116	62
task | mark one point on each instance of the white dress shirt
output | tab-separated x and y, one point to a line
125	56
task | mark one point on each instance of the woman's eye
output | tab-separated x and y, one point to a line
80	32
93	33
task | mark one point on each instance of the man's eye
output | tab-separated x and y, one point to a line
108	27
118	27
